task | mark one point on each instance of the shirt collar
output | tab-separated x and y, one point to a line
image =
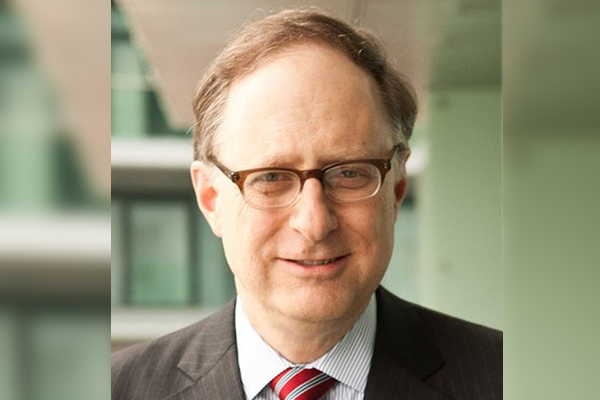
348	361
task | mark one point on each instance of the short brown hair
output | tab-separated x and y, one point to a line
257	41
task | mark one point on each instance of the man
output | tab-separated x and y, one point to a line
300	147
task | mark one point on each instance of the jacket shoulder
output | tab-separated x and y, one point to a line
152	370
460	359
449	327
165	347
472	354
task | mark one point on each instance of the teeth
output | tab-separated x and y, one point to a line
318	262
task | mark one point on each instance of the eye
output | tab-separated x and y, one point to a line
350	176
272	182
349	173
271	176
352	172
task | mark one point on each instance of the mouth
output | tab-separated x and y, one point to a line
313	263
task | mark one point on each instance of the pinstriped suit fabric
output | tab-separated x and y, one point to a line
419	355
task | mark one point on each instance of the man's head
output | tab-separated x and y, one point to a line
260	41
304	104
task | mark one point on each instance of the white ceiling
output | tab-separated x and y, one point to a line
436	43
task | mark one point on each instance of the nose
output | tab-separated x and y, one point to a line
312	215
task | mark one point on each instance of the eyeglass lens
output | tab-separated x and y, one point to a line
344	183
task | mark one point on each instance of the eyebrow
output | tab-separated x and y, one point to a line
280	162
362	155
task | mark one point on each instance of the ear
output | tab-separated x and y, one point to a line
400	192
206	195
401	186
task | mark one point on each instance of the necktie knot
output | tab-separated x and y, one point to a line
301	384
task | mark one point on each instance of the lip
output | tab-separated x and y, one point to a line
315	267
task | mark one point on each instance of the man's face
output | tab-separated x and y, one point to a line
306	108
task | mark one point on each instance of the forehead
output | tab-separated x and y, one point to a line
309	100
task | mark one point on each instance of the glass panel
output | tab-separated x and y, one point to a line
160	254
401	277
30	182
137	109
128	95
158	125
117	267
8	359
70	356
215	281
4	168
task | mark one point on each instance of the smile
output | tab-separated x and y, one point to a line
311	263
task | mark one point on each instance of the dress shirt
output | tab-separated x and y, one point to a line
348	361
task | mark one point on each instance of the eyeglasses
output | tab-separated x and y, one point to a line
343	182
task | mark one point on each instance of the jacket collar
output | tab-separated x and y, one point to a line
405	354
210	360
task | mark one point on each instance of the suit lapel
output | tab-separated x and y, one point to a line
404	353
404	356
210	362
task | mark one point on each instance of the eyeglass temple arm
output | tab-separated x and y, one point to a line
234	176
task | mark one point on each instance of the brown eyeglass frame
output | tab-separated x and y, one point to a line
239	177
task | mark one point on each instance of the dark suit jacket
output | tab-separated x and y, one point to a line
419	354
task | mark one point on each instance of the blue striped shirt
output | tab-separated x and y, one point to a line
348	361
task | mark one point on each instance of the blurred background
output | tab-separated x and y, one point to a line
59	205
54	201
532	65
168	269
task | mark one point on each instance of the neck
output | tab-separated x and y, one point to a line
298	341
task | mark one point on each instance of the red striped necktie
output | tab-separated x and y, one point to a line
301	384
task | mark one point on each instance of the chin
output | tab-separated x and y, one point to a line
311	305
312	315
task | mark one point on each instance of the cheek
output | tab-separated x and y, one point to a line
248	234
234	226
376	226
370	233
